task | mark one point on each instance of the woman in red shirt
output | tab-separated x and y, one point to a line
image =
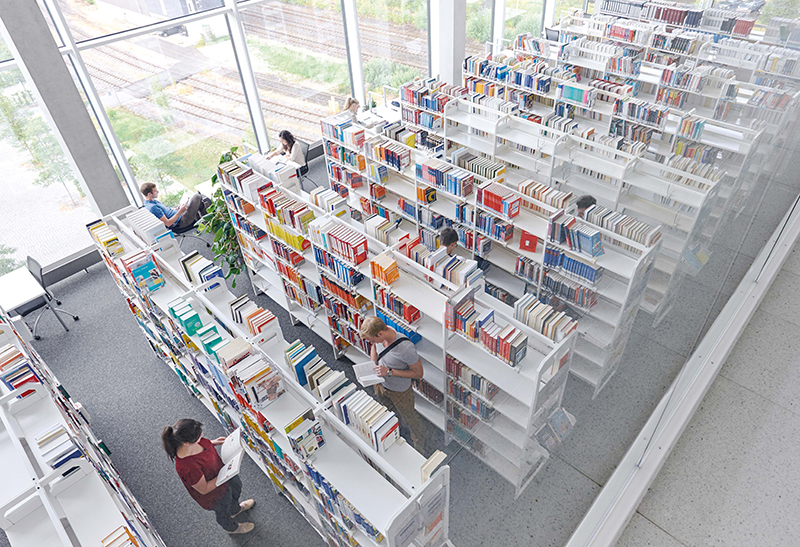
197	463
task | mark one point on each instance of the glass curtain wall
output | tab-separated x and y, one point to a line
394	41
299	57
479	25
523	16
175	102
36	173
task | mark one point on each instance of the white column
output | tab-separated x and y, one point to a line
350	20
549	13
242	55
448	34
498	25
28	36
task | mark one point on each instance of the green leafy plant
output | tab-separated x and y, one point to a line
217	221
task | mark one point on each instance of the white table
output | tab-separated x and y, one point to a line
18	288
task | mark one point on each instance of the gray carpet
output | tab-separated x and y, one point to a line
106	363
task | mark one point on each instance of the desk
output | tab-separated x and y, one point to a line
18	288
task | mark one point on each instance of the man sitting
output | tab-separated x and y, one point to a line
178	219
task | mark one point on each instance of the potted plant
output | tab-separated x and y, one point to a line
217	221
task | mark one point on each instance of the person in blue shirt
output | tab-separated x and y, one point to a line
184	216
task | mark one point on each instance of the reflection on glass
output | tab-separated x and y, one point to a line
299	57
523	16
479	25
92	18
176	103
565	6
394	41
37	183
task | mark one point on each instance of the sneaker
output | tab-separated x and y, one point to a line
244	527
245	506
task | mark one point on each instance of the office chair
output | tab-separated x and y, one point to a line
303	170
44	302
182	233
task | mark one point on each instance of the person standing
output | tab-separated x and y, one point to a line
198	464
398	363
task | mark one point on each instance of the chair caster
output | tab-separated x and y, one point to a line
37	337
58	302
75	317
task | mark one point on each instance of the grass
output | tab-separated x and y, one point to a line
308	67
190	165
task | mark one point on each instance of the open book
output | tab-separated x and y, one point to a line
231	453
366	375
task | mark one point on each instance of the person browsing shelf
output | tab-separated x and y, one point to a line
198	464
351	107
173	218
449	239
289	149
583	203
398	363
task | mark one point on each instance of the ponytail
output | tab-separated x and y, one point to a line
184	431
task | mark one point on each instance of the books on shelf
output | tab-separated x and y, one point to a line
328	200
121	537
144	272
399	326
56	446
383	269
543	318
378	425
255	380
342	128
467	376
106	238
399	307
568	231
455	269
305	435
500	199
445	176
15	370
572	267
340	240
623	225
146	225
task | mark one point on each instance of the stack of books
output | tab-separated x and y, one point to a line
242	180
198	269
383	269
257	319
281	250
370	418
15	370
528	269
233	352
107	239
340	240
356	300
305	435
144	273
343	311
294	240
344	176
300	359
181	309
379	227
343	271
494	227
56	446
623	225
255	380
146	225
342	128
428	391
445	176
566	290
391	153
483	167
500	199
543	318
580	237
472	401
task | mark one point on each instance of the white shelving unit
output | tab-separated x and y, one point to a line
74	504
385	488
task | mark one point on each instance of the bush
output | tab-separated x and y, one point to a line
381	72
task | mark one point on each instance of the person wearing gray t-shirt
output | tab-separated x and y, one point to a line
398	363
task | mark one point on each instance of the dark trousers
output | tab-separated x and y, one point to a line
195	210
229	505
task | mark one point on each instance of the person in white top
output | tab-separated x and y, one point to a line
351	106
289	149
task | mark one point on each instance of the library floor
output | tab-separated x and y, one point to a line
106	363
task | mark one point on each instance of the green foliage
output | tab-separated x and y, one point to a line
160	98
308	67
380	72
530	21
779	8
8	263
479	23
218	222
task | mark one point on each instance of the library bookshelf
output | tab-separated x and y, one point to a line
82	499
380	497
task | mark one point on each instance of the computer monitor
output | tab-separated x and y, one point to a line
551	34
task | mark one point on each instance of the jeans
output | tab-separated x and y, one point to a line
229	505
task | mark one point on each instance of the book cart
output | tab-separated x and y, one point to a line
350	493
77	500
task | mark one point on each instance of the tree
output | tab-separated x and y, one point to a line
8	263
15	127
479	25
779	8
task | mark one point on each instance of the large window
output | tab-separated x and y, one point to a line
523	16
299	58
479	25
45	209
394	41
175	102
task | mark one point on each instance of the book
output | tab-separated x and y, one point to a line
366	375
231	454
430	465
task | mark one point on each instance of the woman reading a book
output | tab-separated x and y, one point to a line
289	149
397	363
197	463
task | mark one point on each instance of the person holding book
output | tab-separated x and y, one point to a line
398	363
183	217
289	149
351	107
583	203
198	464
449	239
